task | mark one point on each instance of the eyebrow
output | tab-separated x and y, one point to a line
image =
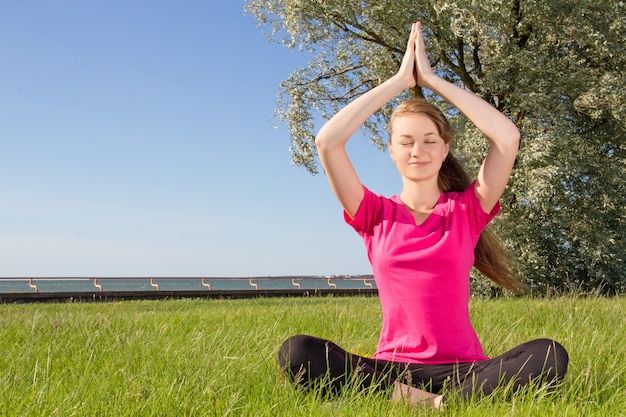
425	134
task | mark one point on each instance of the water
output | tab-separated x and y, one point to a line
143	284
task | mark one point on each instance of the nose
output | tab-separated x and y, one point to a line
416	148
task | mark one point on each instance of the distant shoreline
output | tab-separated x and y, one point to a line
85	289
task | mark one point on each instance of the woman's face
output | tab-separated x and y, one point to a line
416	148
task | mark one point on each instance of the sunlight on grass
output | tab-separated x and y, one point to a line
218	357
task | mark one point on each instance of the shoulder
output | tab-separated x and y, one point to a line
465	197
377	202
374	209
468	203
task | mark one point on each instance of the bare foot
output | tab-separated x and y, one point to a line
416	397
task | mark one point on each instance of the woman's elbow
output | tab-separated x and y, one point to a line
325	142
319	141
513	139
322	138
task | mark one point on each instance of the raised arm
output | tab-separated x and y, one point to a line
334	135
502	133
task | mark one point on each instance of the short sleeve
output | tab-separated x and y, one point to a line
478	218
368	214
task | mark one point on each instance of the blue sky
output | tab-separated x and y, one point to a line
139	139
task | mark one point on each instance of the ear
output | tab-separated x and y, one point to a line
447	151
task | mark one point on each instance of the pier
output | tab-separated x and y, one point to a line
85	289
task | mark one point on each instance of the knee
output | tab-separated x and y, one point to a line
554	358
303	357
295	351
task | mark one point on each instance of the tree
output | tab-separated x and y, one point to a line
555	68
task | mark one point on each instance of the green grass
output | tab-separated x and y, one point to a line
218	357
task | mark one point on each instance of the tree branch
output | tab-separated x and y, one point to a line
522	39
328	75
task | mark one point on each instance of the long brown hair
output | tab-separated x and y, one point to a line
490	257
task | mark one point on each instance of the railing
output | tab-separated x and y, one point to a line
17	288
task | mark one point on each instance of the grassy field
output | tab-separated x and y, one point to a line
218	357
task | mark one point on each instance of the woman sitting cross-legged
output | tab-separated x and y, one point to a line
422	245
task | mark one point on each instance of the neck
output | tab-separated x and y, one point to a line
420	196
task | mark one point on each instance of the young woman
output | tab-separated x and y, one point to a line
422	245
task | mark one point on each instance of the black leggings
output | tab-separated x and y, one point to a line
310	361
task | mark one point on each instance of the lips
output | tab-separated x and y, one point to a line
419	163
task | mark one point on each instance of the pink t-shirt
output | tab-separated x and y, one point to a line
422	275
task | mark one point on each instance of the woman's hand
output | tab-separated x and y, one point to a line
407	67
422	64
